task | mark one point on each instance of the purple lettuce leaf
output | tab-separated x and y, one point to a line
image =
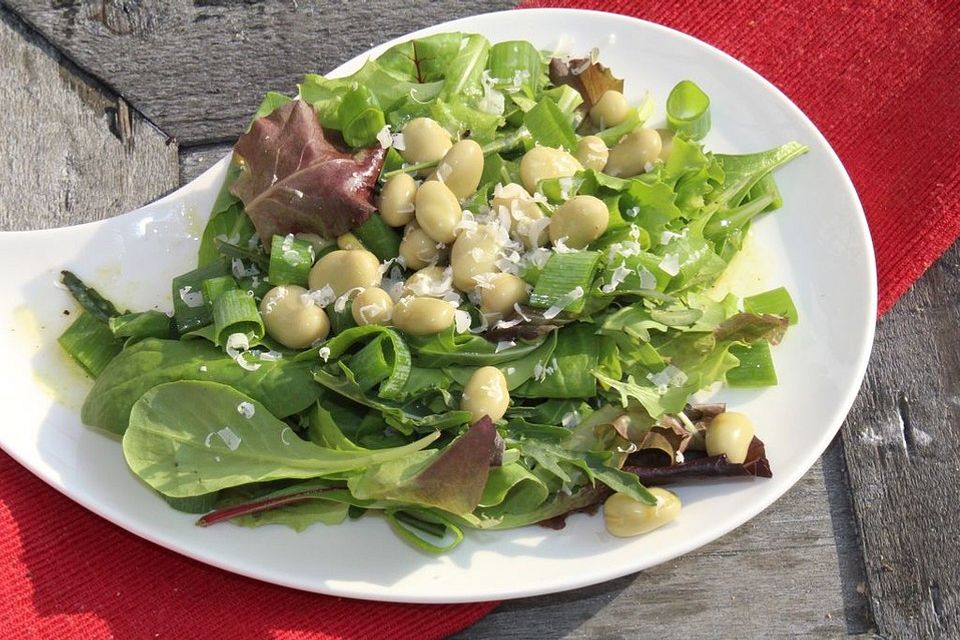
294	180
452	481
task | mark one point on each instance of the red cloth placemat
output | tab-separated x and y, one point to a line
66	573
881	80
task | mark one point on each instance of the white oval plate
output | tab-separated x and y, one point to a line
818	246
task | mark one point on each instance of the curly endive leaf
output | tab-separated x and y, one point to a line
294	180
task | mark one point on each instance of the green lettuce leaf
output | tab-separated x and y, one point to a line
190	438
284	386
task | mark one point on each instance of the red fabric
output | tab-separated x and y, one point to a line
66	573
880	79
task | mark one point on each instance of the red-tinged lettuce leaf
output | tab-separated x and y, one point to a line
697	465
527	323
590	79
294	180
452	480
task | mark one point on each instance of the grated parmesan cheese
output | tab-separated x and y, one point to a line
570	419
647	279
246	409
616	278
191	298
229	438
384	137
323	296
560	246
462	320
670	264
504	344
563	302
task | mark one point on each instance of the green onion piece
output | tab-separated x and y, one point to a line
229	250
370	364
756	366
566	97
290	260
776	302
406	523
234	311
213	287
563	274
88	297
379	238
256	286
360	117
90	342
550	126
138	326
189	308
340	321
688	110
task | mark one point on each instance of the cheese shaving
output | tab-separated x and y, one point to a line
563	302
191	298
670	264
323	296
462	320
384	137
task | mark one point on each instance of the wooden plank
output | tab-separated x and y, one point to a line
72	152
776	576
903	452
196	160
171	59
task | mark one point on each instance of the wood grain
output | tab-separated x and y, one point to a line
198	69
70	151
903	453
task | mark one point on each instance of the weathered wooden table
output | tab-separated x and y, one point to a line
108	105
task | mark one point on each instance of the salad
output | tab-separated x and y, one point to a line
466	287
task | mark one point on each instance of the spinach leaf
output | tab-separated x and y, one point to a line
191	438
515	371
566	374
284	386
448	348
